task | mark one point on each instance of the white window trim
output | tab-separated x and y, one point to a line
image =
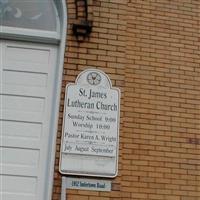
29	35
62	9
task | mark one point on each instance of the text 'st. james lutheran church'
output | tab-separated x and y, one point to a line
99	100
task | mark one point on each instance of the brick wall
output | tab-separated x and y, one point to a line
151	50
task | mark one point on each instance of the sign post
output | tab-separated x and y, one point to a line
90	135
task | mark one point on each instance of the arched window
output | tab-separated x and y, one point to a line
31	14
31	19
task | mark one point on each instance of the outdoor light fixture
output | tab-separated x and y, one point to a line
82	27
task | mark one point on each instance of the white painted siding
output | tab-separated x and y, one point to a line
27	73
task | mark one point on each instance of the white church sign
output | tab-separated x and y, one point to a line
90	126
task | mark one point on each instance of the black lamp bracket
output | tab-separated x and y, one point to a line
83	27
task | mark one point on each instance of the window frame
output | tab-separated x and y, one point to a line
35	35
